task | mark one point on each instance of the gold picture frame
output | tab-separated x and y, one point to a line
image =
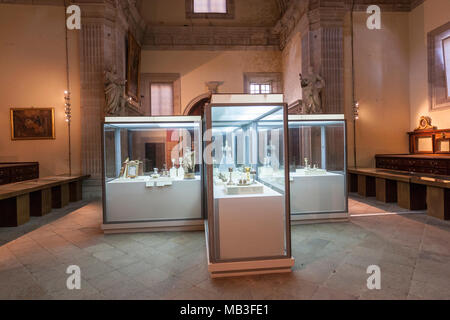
133	169
32	123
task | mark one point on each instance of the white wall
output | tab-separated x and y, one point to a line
33	74
381	86
423	19
198	67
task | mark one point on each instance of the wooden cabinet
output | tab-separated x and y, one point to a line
429	141
11	172
431	164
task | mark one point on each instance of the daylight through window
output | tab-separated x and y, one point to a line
210	6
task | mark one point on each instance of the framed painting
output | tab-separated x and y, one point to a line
133	68
32	123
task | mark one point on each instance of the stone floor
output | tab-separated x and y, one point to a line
412	250
359	205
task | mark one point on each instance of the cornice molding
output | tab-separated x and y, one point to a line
210	38
302	15
58	3
289	22
297	16
416	3
326	17
385	5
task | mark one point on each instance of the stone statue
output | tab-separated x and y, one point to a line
312	86
114	93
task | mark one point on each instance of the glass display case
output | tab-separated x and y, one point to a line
248	225
148	163
318	170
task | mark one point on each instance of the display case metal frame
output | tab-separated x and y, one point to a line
150	225
334	215
252	265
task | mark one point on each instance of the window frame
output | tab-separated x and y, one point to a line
260	85
446	64
173	96
190	14
261	78
439	98
147	79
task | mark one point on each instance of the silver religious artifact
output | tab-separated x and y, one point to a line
253	175
230	170
189	164
155	174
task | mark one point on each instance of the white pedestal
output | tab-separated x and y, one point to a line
249	226
131	201
322	193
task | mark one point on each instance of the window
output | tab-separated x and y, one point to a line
209	9
161	99
262	82
256	88
210	6
446	55
161	94
439	67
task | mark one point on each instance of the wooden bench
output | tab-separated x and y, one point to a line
410	190
438	196
19	201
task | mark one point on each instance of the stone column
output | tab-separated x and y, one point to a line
102	46
323	49
92	66
322	40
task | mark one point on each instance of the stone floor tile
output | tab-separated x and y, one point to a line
330	259
324	293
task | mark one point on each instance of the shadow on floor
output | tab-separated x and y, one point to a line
10	234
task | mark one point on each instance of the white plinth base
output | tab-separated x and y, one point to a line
319	218
245	268
159	226
132	204
236	269
323	193
249	226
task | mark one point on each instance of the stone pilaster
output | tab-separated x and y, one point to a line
102	46
323	50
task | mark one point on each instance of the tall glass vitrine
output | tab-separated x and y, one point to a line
318	166
152	173
248	225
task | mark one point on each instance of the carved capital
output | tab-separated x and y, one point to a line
326	17
213	86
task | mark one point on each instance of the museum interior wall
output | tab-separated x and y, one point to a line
198	67
423	19
391	72
33	74
381	86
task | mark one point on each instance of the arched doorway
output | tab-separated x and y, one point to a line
197	105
